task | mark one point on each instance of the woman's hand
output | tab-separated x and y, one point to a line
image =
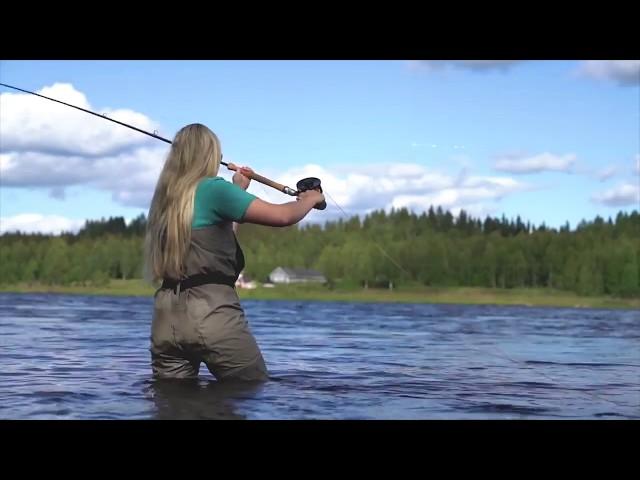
313	196
241	177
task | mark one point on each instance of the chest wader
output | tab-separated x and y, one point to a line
199	319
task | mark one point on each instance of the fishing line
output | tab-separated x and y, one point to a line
372	241
554	381
503	355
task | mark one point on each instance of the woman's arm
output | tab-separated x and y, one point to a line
275	215
282	215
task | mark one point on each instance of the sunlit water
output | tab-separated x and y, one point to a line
81	357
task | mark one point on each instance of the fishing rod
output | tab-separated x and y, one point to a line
309	183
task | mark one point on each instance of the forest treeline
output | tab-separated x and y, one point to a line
434	248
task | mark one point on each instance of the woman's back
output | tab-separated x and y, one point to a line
192	248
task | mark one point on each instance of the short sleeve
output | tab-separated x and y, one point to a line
230	201
217	200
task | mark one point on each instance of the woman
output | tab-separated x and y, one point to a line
191	247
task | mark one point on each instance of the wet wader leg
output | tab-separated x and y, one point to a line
231	349
168	359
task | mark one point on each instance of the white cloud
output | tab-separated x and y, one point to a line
130	176
32	124
624	72
606	173
48	145
611	171
536	164
477	65
620	196
472	195
36	223
359	190
35	169
6	162
141	171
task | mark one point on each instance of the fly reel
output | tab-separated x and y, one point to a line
311	183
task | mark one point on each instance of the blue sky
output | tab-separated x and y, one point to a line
551	141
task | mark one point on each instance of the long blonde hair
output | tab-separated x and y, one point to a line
195	153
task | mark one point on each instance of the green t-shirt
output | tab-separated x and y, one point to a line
218	200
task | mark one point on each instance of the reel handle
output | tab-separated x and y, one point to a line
322	205
312	183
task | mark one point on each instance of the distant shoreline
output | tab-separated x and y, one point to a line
448	295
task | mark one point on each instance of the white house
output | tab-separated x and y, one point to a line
296	275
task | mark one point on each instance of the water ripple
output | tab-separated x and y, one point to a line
72	357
